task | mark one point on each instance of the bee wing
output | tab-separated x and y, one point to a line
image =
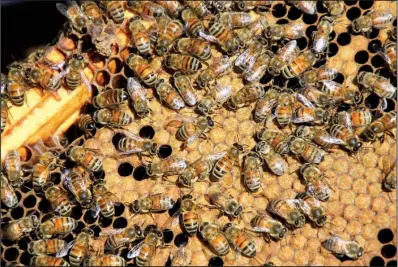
63	252
222	93
217	156
209	37
95	209
135	88
332	140
330	73
242	57
192	139
384	104
380	51
135	251
60	75
184	118
289	51
86	81
107	232
68	184
348	122
63	9
304	100
261	229
330	85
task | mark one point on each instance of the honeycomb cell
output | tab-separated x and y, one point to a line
373	44
372	101
302	43
344	38
120	223
310	19
282	21
11	254
119	81
97	60
377	61
102	78
361	57
115	65
216	261
165	151
353	13
125	169
392	263
294	13
17	213
279	10
366	68
25	258
88	217
376	261
147	132
365	4
388	251
333	49
140	173
385	236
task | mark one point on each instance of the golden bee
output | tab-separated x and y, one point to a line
308	151
13	168
234	20
285	107
104	200
183	63
219	94
75	75
245	61
168	167
278	140
285	54
189	217
93	12
275	162
246	95
173	8
145	251
193	24
74	14
219	67
240	240
16	85
86	124
264	105
381	126
77	185
341	247
115	10
225	203
348	138
215	238
377	84
317	97
139	35
133	143
192	128
311	207
42	170
335	8
315	76
8	196
313	115
48	261
16	229
389	53
56	226
259	67
172	30
308	7
319	136
142	69
225	163
111	98
169	95
225	37
301	63
184	87
138	97
315	181
117	238
291	31
198	7
378	19
46	247
49	80
271	228
252	172
147	9
320	37
259	6
193	46
353	118
113	118
253	31
342	93
86	158
58	199
105	260
288	210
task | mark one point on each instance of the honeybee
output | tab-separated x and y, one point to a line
193	24
320	37
86	124
254	30
86	158
252	172
42	170
104	200
105	260
348	139
245	61
291	31
144	251
184	87
317	97
48	261
115	9
377	84
259	6
147	9
316	116
138	97
113	118
271	228
308	7
378	19
111	98
4	114
240	240
259	67
225	38
220	5
139	35
246	95
169	95
315	181
172	30
311	207
45	247
234	20
76	17
341	247
93	12
215	238
193	46
78	247
226	162
357	117
284	55
390	180
12	167
285	107
337	91
315	76
75	74
298	65
48	79
335	8
317	135
192	128
168	167
264	105
381	126
58	199
388	53
274	161
16	86
173	8
198	7
56	226
16	229
133	143
142	69
77	185
117	238
183	63
288	210
219	67
218	96
276	139
308	151
8	196
183	257
226	204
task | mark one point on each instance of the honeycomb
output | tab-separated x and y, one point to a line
358	208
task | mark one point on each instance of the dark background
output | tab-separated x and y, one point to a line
26	25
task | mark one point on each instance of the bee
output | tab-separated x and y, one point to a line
240	240
357	117
16	86
388	53
317	135
105	260
147	9
312	208
86	158
104	200
184	87
220	6
189	218
192	128
86	124
183	63
307	7
253	31
378	19
111	98
390	180
291	31
271	228
113	118
348	139
377	84
173	8
12	167
138	97
93	12
317	97
234	20
276	139
225	38
139	35
335	8
288	210
77	185
133	143
219	67
198	7
75	74
56	226
16	229
245	61
74	14
379	127
337	91
142	69
168	167
260	6
172	30
285	109
8	196
303	62
218	96
308	151
145	251
46	247
58	199
215	238
225	203
274	161
193	46
315	76
341	247
49	80
183	257
226	162
284	55
246	95
48	261
193	24
313	115
78	247
117	238
252	172
320	38
42	170
169	95
264	105
115	9
315	181
4	114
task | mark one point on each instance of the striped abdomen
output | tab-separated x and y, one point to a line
283	115
73	79
145	256
16	93
186	131
244	245
219	244
106	206
63	225
91	162
222	166
190	222
78	252
116	11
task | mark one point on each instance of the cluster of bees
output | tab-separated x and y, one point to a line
183	34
